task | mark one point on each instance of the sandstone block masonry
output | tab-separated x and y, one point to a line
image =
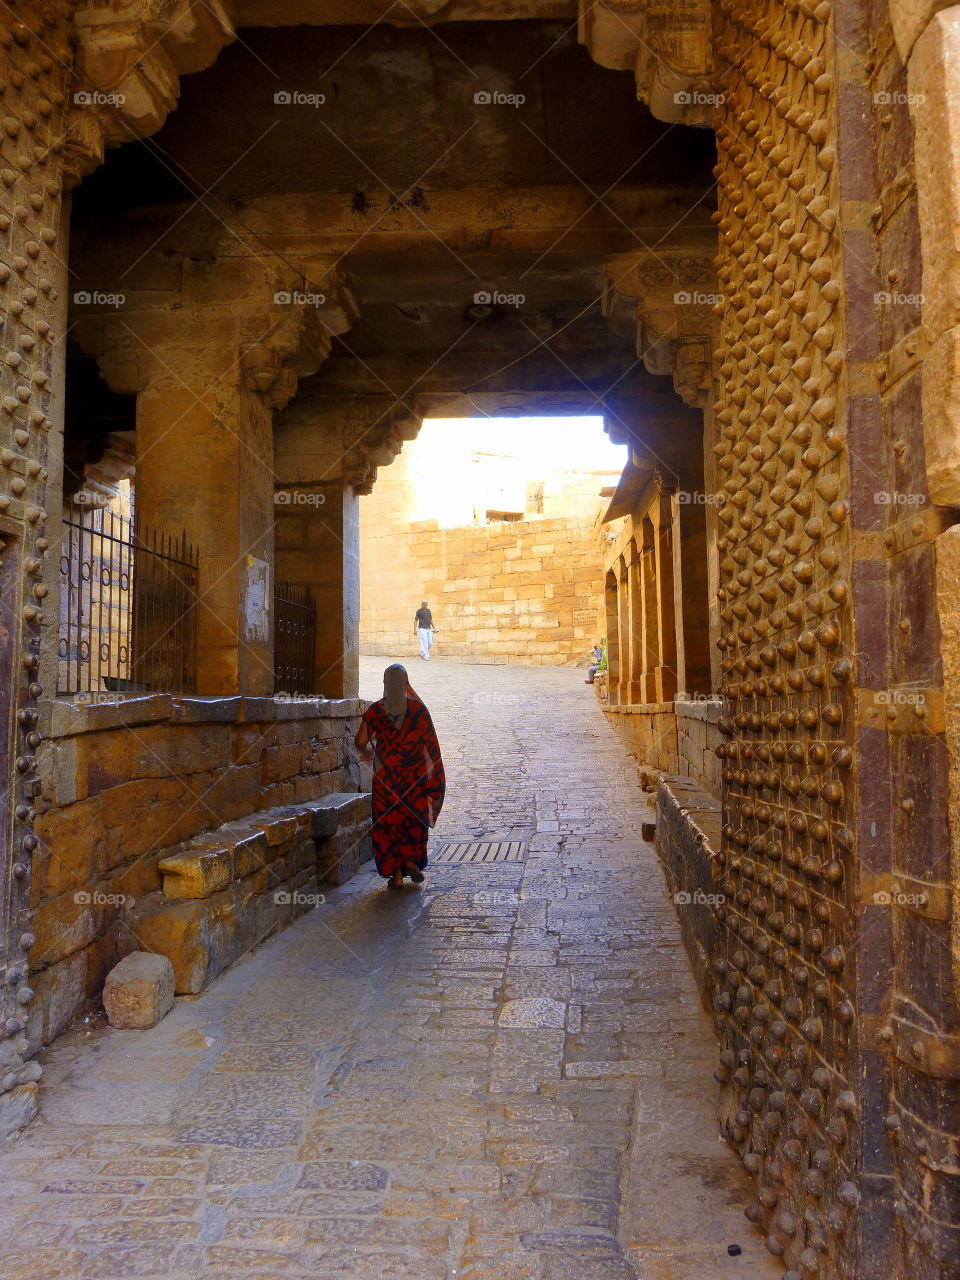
524	592
678	737
188	826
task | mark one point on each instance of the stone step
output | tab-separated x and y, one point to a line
228	888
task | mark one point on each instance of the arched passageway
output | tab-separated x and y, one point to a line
245	251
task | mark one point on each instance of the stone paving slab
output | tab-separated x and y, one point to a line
505	1075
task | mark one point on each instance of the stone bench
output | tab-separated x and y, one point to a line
227	889
687	837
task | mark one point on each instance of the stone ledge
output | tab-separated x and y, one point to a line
66	719
708	710
689	821
342	808
62	719
261	710
204	936
206	710
212	861
637	708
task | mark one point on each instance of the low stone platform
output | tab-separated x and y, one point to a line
134	781
228	889
688	836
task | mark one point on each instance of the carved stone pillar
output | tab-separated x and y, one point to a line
651	622
624	691
635	612
665	673
691	592
328	450
131	56
209	368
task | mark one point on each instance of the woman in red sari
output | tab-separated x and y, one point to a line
408	777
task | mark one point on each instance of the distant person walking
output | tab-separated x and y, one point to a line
408	777
424	628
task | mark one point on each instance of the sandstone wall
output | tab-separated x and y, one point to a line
528	591
697	739
672	738
126	785
649	731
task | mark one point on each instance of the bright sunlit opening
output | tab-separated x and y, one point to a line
460	469
567	443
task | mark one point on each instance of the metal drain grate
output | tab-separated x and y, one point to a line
485	851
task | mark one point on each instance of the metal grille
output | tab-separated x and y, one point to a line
295	627
127	607
485	851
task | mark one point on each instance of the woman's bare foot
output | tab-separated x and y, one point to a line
395	881
413	871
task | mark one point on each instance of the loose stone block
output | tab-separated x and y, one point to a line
341	808
196	874
139	990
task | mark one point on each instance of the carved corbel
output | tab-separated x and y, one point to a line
265	372
132	53
692	371
671	298
358	471
666	43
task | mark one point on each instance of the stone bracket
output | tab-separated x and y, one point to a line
907	710
667	45
130	57
669	300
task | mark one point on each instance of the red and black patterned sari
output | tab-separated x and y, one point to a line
408	784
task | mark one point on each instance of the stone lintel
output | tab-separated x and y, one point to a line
639	708
421	13
527	218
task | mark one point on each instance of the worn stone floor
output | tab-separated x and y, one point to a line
505	1075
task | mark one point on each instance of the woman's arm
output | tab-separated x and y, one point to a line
362	742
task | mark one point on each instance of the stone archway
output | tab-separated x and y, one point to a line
832	971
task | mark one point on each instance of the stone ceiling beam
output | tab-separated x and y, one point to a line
559	219
309	227
288	13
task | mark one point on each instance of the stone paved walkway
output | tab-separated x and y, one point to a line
504	1076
